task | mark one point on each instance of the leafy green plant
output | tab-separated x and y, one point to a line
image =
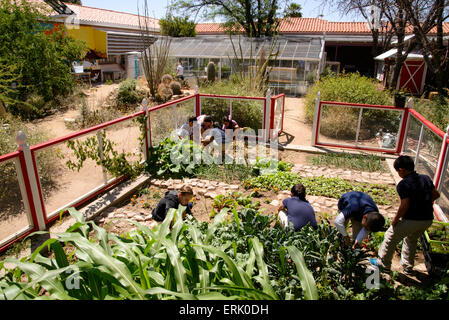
174	158
128	94
267	166
321	186
175	260
115	163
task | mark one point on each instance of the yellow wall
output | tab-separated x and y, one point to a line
96	39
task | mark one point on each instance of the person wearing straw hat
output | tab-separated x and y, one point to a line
173	199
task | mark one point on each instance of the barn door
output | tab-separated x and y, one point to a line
412	76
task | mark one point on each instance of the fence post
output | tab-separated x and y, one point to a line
404	127
147	129
315	117
197	102
28	171
442	162
267	113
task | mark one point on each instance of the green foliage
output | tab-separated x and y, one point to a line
246	113
353	88
41	59
174	158
175	260
228	173
233	200
435	110
293	10
128	93
177	26
268	166
115	163
321	186
365	162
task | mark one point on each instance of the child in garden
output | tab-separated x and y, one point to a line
296	209
173	199
359	208
414	216
228	123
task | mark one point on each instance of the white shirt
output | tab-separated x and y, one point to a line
340	223
180	70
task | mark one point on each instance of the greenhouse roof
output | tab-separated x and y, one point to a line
306	48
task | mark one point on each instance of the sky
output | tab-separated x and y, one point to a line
157	8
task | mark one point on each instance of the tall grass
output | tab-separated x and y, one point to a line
362	162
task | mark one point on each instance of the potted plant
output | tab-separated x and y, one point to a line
400	98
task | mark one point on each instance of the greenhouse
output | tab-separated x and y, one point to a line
297	65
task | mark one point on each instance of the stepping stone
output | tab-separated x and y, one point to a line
210	195
233	187
131	214
275	203
119	216
139	218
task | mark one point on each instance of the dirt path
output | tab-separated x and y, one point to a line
296	130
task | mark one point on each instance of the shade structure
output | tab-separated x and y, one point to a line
219	47
299	60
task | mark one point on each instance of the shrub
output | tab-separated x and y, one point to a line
353	88
435	110
176	87
246	113
128	93
42	58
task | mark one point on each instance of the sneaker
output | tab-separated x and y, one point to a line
376	263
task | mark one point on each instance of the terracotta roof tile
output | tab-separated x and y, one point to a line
97	15
309	25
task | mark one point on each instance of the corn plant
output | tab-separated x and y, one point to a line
175	260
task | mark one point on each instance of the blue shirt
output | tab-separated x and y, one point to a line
299	212
355	204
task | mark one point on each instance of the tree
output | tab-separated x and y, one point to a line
393	24
155	55
425	16
257	18
39	59
177	26
293	10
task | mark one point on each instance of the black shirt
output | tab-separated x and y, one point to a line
418	189
170	200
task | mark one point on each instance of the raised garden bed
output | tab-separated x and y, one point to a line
436	247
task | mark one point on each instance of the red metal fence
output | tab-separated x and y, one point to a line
396	131
36	208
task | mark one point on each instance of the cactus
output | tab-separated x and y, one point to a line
211	72
164	92
176	87
166	79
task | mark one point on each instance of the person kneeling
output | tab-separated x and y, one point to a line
172	199
296	209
